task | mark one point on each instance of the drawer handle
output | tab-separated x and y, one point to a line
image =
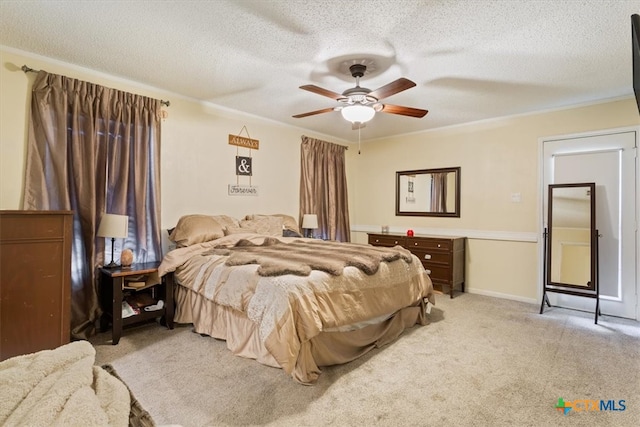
415	244
438	244
427	256
377	241
428	271
396	242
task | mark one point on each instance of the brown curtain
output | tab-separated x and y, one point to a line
323	188
93	150
439	192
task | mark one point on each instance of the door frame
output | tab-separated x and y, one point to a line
541	194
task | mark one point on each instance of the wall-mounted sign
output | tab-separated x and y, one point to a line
241	141
242	190
243	166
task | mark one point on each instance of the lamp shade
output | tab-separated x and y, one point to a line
310	221
112	225
358	113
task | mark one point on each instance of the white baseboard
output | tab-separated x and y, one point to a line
501	295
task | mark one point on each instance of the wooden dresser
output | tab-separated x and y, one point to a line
442	257
35	281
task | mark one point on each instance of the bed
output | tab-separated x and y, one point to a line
287	301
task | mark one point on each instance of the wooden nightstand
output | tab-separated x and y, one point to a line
113	292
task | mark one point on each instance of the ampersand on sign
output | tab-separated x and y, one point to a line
243	166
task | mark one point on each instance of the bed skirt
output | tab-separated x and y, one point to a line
325	349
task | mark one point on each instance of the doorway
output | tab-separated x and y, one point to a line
608	159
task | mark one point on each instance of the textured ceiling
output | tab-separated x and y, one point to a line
471	60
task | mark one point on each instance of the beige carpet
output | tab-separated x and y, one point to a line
481	362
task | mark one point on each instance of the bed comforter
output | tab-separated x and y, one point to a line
291	300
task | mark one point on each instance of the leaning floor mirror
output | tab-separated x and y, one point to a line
571	243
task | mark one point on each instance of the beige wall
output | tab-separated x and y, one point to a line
498	158
197	161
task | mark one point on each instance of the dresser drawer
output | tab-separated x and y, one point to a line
32	226
431	256
381	240
430	243
438	273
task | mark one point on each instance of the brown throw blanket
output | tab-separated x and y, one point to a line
300	257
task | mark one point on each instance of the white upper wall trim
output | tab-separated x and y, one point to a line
511	116
613	131
169	94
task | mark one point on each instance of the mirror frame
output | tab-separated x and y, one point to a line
456	211
593	237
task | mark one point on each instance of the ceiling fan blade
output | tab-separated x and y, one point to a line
313	113
392	88
324	92
404	111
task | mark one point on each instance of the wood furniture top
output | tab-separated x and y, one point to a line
135	269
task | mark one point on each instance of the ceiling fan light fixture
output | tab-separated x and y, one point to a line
359	104
358	113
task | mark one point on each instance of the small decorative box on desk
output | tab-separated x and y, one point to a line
442	257
134	294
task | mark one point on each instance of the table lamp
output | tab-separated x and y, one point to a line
310	222
113	226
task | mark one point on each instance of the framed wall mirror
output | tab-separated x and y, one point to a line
571	242
428	192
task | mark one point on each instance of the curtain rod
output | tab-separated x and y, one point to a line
346	147
28	69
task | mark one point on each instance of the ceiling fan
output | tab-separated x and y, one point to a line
359	104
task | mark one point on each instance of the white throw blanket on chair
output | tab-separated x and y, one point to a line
61	387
